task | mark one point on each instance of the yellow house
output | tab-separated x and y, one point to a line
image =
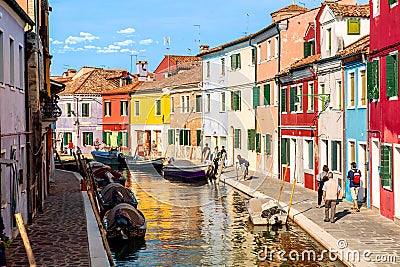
149	119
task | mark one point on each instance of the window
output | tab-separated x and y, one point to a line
184	104
293	90
158	107
3	183
375	7
392	75
107	109
171	135
21	67
258	142
352	151
392	2
329	41
253	56
324	102
352	90
276	46
235	61
373	79
123	108
172	104
353	26
87	138
309	48
85	109
236	100
283	100
223	102
208	103
339	94
222	66
268	144
198	103
267	94
310	97
1	58
386	167
269	49
208	69
137	108
68	109
184	137
12	63
198	137
107	138
363	88
237	138
309	156
256	96
124	139
336	152
299	98
251	134
66	138
285	150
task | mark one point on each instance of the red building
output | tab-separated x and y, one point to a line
172	64
384	106
298	111
116	116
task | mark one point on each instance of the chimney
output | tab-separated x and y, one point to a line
204	48
142	70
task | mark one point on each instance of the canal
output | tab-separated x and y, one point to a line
208	225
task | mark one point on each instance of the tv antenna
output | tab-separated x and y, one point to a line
197	40
247	23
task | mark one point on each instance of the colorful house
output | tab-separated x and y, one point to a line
81	104
13	130
116	116
355	109
172	64
383	108
337	26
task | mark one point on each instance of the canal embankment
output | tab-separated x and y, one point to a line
356	238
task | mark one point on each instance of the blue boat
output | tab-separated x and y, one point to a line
110	158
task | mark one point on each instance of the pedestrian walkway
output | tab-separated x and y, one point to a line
58	236
374	238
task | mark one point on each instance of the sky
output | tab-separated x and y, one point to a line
114	34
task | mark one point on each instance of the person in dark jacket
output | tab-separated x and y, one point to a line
321	179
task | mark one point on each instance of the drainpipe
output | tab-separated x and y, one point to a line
255	83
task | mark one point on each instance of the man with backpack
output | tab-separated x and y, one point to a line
354	176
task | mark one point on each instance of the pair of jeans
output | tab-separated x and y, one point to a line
320	192
330	205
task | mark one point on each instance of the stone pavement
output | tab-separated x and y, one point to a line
58	236
354	231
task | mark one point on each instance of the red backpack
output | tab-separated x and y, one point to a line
356	177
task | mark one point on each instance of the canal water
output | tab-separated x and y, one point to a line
208	225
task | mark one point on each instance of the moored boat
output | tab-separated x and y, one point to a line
114	194
125	222
139	163
185	171
111	158
266	211
105	175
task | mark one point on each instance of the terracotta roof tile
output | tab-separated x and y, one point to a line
361	45
301	62
290	8
123	89
349	10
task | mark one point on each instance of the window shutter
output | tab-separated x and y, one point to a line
283	100
386	172
353	26
268	144
334	156
285	150
251	139
256	96
253	56
258	143
391	2
170	136
307	49
267	94
233	62
237	138
310	155
65	139
121	108
69	110
91	139
198	136
119	138
238	63
187	137
236	100
292	98
372	79
391	70
181	137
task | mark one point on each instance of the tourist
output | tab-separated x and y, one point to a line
205	154
154	148
321	179
244	164
71	147
223	151
97	144
331	191
354	176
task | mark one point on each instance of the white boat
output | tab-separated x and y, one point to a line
266	211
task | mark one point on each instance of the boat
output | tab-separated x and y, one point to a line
124	222
105	175
111	158
266	211
114	194
139	163
185	171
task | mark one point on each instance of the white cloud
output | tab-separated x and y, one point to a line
91	47
56	42
83	36
124	50
146	42
142	50
125	43
107	51
127	31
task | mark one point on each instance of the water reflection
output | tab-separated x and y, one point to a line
204	226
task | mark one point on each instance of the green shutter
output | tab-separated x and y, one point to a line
256	96
171	136
91	139
236	100
238	64
373	79
285	150
353	26
334	156
392	75
310	155
386	171
119	138
253	56
65	139
258	143
251	139
267	94
283	100
292	98
237	138
198	137
391	2
233	62
268	144
307	49
186	138
121	108
181	137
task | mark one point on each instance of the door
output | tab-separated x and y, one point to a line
362	160
375	179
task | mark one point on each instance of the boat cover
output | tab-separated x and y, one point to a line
135	216
107	193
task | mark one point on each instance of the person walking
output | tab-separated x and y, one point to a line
354	176
71	147
223	151
97	144
321	179
244	164
205	154
331	191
